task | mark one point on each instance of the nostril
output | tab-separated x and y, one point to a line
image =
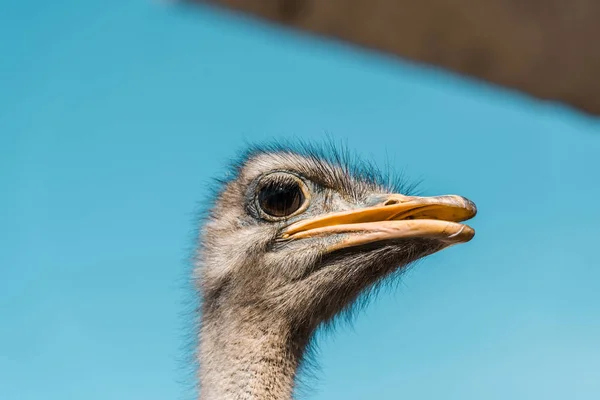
390	202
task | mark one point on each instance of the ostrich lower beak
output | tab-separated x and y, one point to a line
397	217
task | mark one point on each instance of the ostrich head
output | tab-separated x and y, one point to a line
294	238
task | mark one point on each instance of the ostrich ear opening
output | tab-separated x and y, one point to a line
396	217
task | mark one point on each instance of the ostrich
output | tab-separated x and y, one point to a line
292	240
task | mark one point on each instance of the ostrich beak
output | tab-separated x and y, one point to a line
396	217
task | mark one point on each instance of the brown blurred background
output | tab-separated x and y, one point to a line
547	48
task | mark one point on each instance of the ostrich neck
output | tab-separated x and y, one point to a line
247	360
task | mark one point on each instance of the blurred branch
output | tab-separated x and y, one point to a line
547	48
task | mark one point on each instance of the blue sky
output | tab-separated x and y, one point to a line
115	115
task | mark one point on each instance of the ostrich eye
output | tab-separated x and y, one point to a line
281	197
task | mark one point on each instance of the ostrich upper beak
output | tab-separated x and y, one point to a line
396	217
